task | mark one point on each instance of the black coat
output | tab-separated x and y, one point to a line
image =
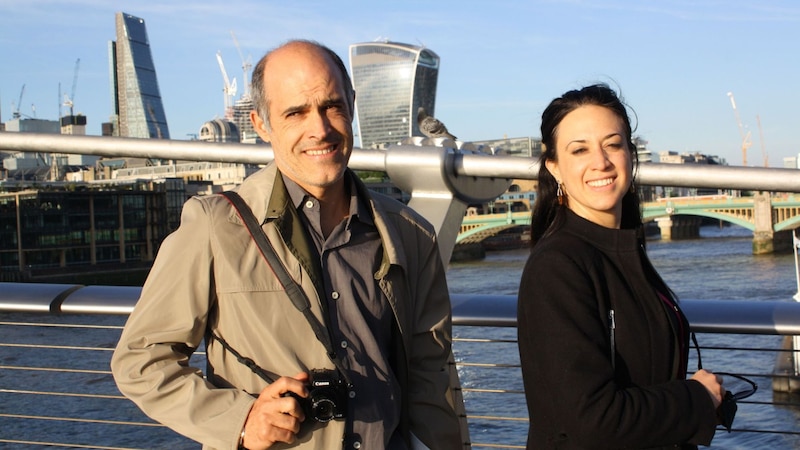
578	395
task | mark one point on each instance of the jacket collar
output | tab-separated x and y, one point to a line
266	195
605	238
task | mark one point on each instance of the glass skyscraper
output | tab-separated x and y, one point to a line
392	80
138	110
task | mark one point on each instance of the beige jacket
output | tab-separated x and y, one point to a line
209	274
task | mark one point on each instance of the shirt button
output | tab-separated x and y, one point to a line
335	295
351	394
343	344
309	204
356	445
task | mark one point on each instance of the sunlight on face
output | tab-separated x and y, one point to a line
310	118
593	163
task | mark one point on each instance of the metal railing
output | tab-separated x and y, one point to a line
57	388
468	163
76	403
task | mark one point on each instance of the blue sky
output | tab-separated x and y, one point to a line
501	61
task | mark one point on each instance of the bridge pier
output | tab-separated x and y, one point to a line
773	242
678	227
786	377
762	216
765	240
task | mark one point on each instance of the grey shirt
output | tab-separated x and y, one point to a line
360	318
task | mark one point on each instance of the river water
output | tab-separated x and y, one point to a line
717	266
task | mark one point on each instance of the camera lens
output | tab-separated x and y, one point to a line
323	410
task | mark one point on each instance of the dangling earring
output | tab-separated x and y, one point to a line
560	194
633	188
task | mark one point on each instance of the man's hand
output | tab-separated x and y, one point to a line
276	417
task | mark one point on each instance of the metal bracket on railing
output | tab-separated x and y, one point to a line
425	168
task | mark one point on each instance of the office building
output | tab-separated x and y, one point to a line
392	80
45	166
525	147
52	227
31	125
241	117
137	107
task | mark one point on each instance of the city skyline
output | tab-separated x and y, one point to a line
501	63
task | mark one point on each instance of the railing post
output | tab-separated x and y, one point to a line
787	365
426	169
796	338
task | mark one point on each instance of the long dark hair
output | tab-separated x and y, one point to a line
548	215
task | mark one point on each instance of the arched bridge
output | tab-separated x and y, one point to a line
475	228
764	214
784	212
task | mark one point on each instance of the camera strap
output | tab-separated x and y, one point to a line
243	359
296	294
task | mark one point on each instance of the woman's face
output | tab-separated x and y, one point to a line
593	163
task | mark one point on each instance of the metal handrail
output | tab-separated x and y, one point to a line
465	164
736	316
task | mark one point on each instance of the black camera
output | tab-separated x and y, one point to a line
327	398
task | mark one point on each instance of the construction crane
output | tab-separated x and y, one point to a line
70	101
746	142
229	90
15	108
761	138
247	64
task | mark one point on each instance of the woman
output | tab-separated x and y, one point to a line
603	344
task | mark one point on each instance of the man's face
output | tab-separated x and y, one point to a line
309	116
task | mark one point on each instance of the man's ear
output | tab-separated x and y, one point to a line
260	126
350	100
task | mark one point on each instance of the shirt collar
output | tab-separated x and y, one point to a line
358	205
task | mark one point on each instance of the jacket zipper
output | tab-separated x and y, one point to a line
612	325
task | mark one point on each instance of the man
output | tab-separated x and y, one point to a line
369	265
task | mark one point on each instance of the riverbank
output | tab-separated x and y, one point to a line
110	274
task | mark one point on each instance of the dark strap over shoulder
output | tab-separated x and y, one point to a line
293	290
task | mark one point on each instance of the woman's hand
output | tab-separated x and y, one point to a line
712	383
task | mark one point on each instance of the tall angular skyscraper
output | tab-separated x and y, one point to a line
138	110
392	80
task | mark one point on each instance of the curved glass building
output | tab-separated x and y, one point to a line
392	80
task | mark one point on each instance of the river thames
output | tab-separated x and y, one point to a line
718	266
